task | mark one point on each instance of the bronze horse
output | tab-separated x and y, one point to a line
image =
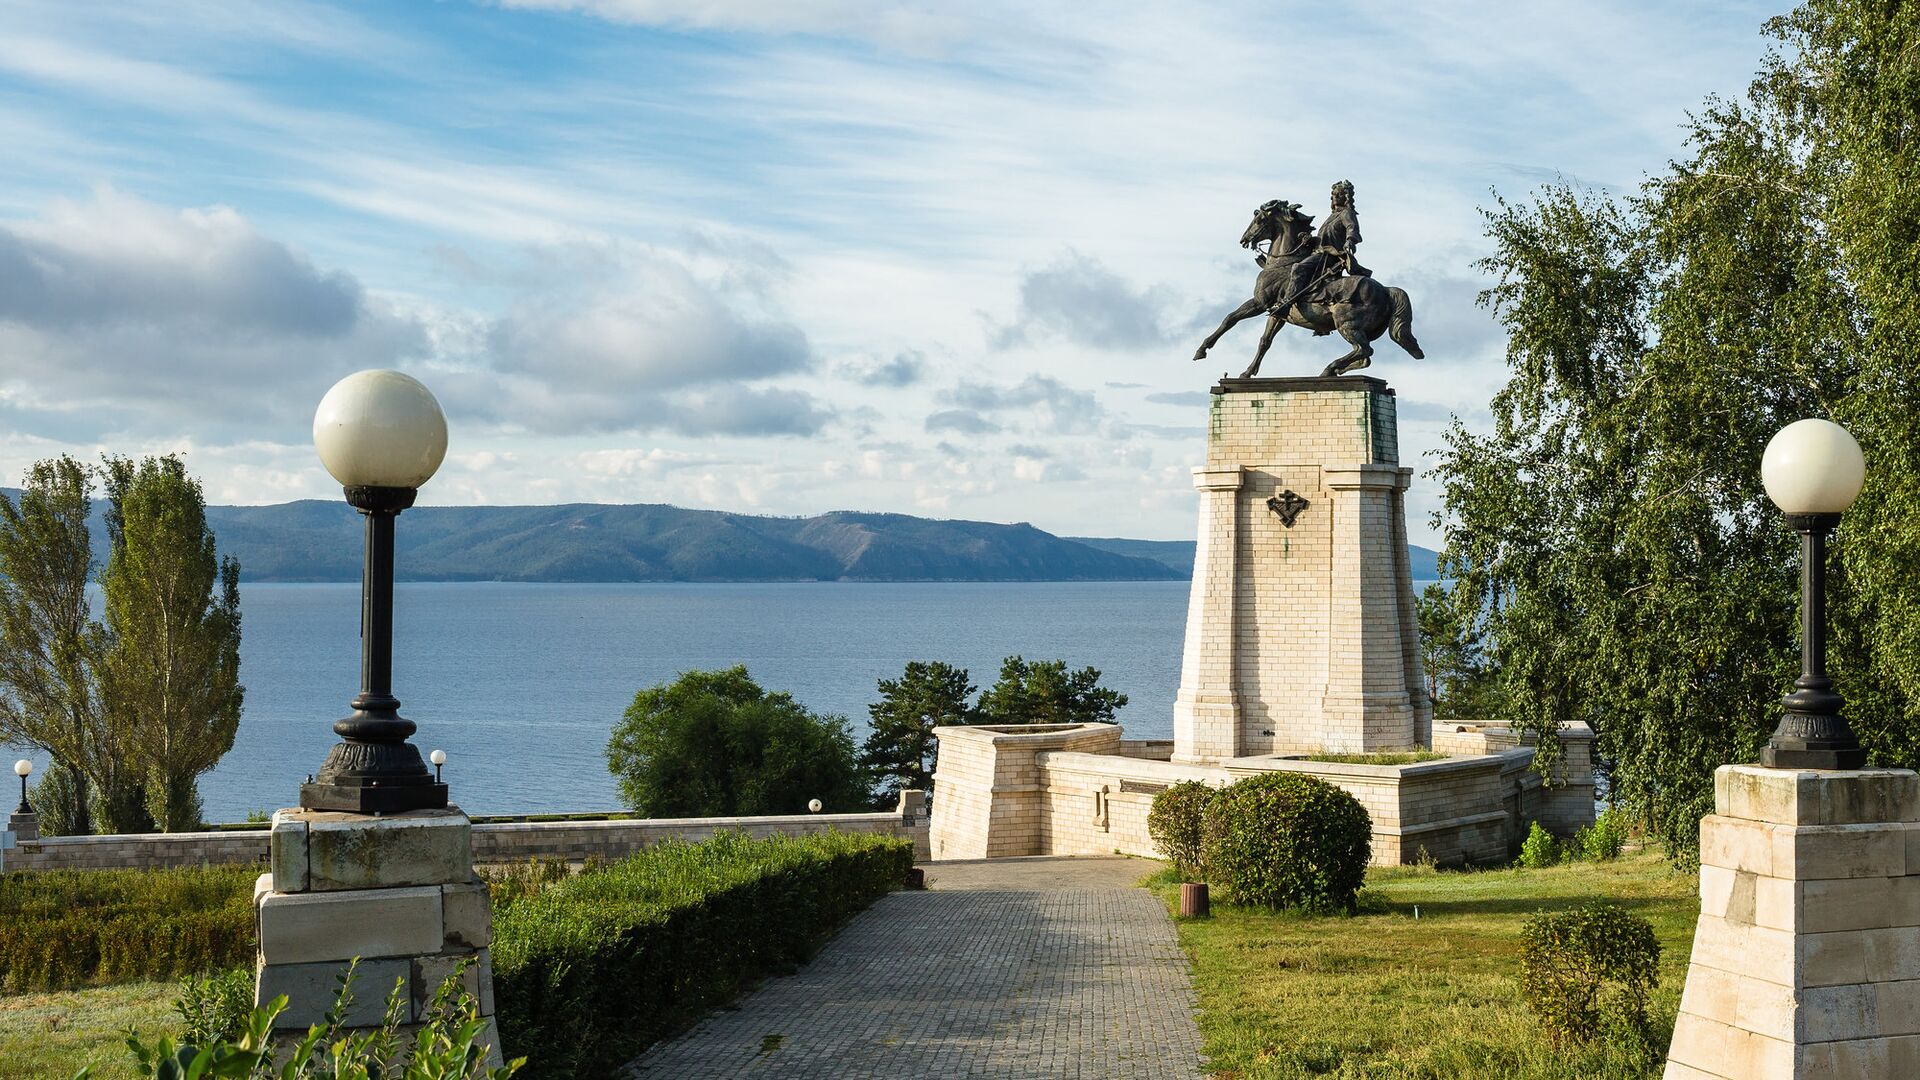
1360	308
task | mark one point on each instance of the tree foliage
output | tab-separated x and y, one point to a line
171	671
132	707
48	640
715	744
1609	535
900	747
1045	692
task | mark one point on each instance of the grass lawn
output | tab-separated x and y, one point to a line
1384	995
49	1036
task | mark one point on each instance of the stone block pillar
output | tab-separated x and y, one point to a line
1301	632
1806	961
1206	711
396	891
24	826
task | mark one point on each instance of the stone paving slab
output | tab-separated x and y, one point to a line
1011	968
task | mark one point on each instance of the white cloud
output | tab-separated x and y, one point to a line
574	240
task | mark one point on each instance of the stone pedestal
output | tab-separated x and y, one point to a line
24	826
1301	630
1806	962
398	892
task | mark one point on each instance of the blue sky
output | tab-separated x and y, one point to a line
782	257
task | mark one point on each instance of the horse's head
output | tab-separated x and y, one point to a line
1278	222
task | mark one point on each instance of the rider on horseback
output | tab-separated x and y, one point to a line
1341	234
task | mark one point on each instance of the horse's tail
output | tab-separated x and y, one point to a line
1400	325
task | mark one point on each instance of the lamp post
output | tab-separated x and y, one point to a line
21	769
439	758
381	434
1813	470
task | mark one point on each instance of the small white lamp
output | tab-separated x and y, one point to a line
22	769
815	805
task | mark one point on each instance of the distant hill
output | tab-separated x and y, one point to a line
319	540
1178	554
316	540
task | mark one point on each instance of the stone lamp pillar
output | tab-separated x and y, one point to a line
23	824
1806	962
375	864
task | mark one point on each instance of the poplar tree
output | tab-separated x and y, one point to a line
48	639
171	669
1609	535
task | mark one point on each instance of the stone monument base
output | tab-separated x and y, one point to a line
1806	961
398	892
1082	789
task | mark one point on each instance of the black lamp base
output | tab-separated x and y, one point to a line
1789	757
374	777
377	798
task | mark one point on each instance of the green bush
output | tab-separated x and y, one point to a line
62	929
448	1044
216	1007
1605	838
591	970
1540	848
1288	840
1177	823
715	744
1589	970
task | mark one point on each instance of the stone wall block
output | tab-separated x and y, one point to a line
429	972
1810	797
1839	851
308	927
467	913
287	852
353	851
310	990
1849	904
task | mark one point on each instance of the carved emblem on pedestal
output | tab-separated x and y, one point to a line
1288	505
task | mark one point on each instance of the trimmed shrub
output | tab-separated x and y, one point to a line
1285	840
63	929
591	970
1178	824
1589	970
1540	848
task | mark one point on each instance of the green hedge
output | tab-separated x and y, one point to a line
62	929
590	971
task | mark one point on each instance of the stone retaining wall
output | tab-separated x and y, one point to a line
496	843
1076	790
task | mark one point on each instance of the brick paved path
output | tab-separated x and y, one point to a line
1010	969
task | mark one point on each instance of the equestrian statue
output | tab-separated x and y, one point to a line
1312	280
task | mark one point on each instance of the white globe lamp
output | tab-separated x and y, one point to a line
381	434
380	429
1813	470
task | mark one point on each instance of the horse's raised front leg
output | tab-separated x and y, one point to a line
1245	311
1266	341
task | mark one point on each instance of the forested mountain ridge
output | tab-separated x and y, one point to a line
317	540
